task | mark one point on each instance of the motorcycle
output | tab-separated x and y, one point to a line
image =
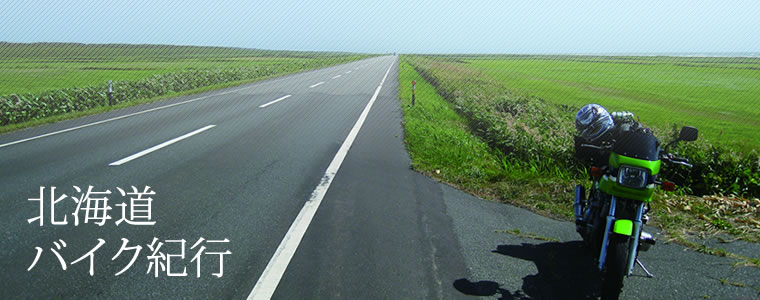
623	178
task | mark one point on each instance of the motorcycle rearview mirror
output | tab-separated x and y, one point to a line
688	134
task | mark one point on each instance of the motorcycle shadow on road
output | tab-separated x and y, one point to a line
565	271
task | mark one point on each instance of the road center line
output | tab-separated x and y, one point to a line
159	146
274	101
336	76
349	71
270	278
316	84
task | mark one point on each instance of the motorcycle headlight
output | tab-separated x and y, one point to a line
633	177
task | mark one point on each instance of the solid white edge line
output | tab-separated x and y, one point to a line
316	84
275	269
159	146
274	101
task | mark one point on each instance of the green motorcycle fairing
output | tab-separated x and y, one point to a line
609	184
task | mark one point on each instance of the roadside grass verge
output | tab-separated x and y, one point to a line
679	214
741	260
440	144
121	105
469	131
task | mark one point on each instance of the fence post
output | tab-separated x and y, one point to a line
414	88
110	94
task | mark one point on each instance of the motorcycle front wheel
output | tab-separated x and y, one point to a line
616	263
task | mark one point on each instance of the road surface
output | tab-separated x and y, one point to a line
305	181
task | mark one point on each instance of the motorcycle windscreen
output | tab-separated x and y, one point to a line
637	144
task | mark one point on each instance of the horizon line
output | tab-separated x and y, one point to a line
745	54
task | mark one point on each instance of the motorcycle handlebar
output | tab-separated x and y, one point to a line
672	157
683	163
677	160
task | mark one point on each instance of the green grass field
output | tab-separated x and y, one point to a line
33	68
720	96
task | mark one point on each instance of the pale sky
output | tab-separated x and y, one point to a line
407	26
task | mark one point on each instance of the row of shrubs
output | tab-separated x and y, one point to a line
20	108
530	129
718	170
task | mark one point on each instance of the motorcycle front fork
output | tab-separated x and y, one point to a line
635	236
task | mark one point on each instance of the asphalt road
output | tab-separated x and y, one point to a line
238	165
